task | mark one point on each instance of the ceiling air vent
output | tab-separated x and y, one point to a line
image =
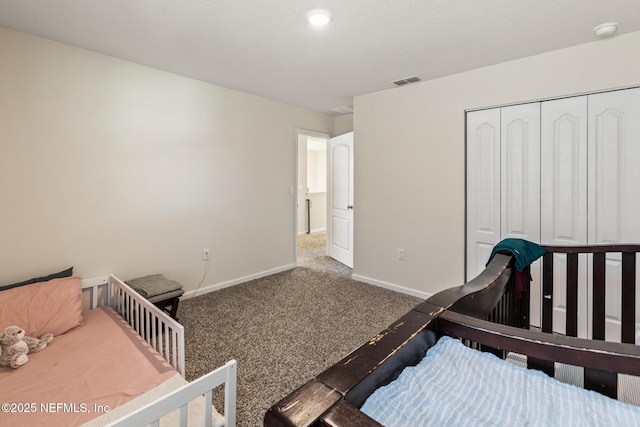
343	110
407	80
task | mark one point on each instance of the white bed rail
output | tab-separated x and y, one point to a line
161	332
151	413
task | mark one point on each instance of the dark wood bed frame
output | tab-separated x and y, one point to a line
486	314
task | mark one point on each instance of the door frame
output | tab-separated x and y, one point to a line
295	192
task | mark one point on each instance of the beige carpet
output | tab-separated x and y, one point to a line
284	329
312	249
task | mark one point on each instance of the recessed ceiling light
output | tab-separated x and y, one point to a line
606	29
319	17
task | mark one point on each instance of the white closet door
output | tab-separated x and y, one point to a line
614	167
563	176
614	188
563	201
520	176
520	184
483	187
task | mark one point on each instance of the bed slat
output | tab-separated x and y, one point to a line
546	366
572	295
208	409
628	297
599	296
184	411
603	382
600	290
547	292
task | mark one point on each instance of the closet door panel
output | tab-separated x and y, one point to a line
614	188
563	201
520	184
614	167
483	187
563	174
520	172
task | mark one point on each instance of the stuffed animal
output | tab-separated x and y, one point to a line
14	349
15	345
37	344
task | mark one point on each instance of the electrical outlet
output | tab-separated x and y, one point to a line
401	254
205	254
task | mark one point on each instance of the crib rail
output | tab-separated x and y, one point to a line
159	330
619	358
602	361
151	413
599	275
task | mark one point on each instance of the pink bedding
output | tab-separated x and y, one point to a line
81	374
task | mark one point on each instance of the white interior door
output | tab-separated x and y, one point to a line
340	227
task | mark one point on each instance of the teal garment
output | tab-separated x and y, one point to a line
523	251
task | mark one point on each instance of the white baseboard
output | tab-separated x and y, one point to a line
391	286
237	281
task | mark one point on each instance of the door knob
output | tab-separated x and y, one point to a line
350	207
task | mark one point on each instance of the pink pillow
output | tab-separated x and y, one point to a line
40	308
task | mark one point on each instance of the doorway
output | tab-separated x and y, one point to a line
312	184
319	229
311	195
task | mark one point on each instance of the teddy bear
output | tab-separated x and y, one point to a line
37	344
14	346
14	349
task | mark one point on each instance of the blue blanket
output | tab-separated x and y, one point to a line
456	386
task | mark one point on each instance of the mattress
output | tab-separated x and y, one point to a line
82	374
457	386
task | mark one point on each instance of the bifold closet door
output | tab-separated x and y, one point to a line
614	167
563	201
613	199
483	187
581	187
520	184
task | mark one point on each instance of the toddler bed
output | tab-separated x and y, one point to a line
490	315
120	362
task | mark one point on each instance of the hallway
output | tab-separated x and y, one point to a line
312	254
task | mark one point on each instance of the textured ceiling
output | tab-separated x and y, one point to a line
265	47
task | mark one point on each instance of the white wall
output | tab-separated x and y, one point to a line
111	166
317	171
342	124
409	156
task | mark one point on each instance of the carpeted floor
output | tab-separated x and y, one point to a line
284	329
311	254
